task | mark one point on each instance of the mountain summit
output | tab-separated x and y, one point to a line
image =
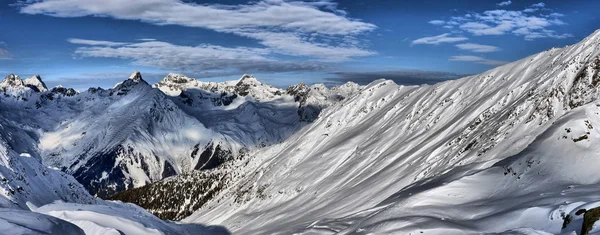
35	82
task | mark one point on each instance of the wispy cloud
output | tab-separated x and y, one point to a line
501	22
5	55
437	22
315	29
477	47
206	59
94	42
505	3
477	59
435	40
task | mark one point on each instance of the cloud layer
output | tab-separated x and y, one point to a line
202	60
533	22
402	77
314	29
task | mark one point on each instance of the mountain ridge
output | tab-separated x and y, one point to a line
373	150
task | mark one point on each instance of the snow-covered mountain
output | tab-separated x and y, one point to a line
132	134
121	138
510	150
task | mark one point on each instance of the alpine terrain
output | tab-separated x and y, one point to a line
513	150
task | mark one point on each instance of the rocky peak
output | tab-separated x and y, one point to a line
248	80
298	91
136	76
12	81
176	78
63	91
134	79
35	83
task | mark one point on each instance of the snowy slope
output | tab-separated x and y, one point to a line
553	177
21	222
354	169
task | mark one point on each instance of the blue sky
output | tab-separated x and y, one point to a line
99	42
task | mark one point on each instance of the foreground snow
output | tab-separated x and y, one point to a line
119	218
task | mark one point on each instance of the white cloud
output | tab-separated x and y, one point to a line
477	47
530	10
539	5
501	22
535	7
505	3
435	40
437	22
477	59
316	25
206	59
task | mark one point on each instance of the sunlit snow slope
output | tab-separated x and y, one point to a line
511	148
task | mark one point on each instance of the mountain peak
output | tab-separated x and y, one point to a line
248	80
176	78
136	76
12	81
35	82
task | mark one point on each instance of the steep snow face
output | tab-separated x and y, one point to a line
554	177
373	151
